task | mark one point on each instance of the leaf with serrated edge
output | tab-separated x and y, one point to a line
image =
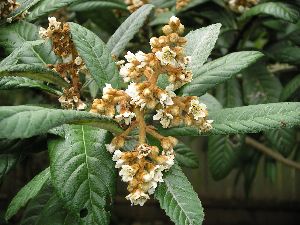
222	155
246	119
29	191
95	55
290	88
8	83
128	29
180	202
276	9
19	34
185	156
28	121
34	72
200	43
82	171
45	7
94	5
218	71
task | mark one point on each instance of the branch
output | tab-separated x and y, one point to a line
269	152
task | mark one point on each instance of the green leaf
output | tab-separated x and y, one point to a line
128	29
270	169
7	161
54	213
7	83
28	121
260	86
34	72
83	172
95	55
192	3
283	140
290	88
230	94
36	205
185	156
200	43
29	191
47	209
246	119
177	197
218	71
94	5
162	18
45	7
223	154
276	9
16	35
285	54
163	3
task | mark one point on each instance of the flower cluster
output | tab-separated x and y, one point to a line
133	5
240	6
182	3
6	7
71	65
142	167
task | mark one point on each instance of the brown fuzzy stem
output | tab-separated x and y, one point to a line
142	125
153	133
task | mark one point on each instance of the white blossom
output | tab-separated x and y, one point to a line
53	24
126	116
110	147
174	19
106	88
78	61
165	100
138	197
117	157
43	33
144	150
198	110
127	173
166	56
165	118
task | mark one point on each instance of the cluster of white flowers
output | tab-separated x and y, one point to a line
240	6
54	25
140	169
6	7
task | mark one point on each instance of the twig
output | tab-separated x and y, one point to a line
268	151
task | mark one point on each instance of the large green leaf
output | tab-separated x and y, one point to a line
290	88
45	7
230	94
218	71
246	119
83	172
94	5
36	205
95	55
260	86
8	83
283	140
211	102
47	209
28	121
223	154
200	43
185	156
177	197
16	35
34	72
7	161
28	192
128	29
54	213
276	9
